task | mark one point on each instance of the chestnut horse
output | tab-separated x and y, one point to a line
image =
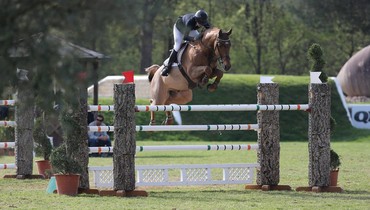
199	62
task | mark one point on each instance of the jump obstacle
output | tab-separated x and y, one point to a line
5	145
189	174
268	137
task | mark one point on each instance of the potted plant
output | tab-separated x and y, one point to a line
43	148
334	167
66	171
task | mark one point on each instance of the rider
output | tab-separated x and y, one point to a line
185	28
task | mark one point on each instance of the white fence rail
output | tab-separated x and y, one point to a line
181	175
215	147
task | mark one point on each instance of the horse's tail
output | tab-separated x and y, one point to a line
151	71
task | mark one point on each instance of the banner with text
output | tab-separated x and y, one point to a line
360	115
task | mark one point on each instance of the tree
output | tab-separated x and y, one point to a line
344	24
150	10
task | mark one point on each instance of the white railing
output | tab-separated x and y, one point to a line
181	175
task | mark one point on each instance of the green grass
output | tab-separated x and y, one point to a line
353	178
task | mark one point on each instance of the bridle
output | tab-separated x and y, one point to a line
220	59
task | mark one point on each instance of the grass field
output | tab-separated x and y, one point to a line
354	178
353	145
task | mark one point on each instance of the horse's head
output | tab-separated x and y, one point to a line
222	49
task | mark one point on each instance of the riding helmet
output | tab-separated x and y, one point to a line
201	16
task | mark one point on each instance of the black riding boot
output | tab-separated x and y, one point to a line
166	69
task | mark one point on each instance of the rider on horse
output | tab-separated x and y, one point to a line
185	28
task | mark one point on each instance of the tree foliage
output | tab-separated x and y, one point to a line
269	36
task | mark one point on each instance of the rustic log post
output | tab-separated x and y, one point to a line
319	135
268	136
124	134
82	155
24	118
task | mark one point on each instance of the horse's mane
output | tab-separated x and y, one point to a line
212	30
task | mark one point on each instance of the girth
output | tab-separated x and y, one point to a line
191	84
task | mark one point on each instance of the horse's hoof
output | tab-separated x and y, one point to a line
169	122
211	88
152	123
205	80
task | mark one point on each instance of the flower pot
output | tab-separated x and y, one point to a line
334	177
67	184
44	168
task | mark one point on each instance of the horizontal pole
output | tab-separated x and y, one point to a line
7	166
100	128
4	145
7	102
222	127
226	127
7	123
197	147
233	147
180	166
100	149
96	108
217	107
222	107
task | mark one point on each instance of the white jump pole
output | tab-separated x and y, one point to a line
223	127
203	108
7	123
7	102
4	145
97	108
222	107
7	166
231	147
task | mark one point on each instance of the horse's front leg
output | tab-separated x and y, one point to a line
218	74
152	118
152	115
169	119
201	73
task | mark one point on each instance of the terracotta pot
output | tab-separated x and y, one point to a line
334	177
44	168
67	184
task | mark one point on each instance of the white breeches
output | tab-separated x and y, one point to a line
178	37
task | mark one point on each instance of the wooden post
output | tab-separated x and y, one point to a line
24	118
82	155
268	136
124	134
319	135
268	154
319	140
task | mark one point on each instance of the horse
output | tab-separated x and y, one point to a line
197	64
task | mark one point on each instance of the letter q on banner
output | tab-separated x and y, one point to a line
129	77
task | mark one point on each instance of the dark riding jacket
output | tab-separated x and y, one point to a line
187	23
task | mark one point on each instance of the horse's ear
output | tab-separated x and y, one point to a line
229	32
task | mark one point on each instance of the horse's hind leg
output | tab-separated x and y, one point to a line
178	97
218	74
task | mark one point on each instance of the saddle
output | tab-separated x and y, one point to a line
178	64
179	55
